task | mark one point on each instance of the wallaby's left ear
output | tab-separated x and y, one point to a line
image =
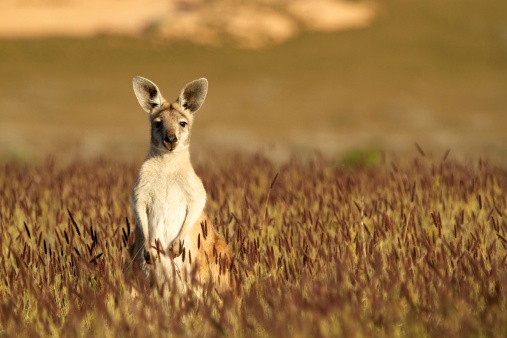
193	95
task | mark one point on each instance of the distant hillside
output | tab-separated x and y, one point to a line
252	24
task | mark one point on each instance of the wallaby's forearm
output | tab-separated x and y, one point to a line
142	232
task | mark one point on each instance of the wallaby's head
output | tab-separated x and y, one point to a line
170	122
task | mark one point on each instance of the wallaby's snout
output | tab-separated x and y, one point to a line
171	138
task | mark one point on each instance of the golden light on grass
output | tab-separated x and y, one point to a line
412	248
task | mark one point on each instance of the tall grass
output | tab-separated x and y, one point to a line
414	248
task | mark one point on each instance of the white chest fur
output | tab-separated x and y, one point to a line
167	211
171	195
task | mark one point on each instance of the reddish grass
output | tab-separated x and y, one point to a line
414	248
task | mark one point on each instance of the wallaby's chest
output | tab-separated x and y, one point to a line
168	198
172	198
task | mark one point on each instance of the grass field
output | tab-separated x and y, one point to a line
426	71
337	229
403	249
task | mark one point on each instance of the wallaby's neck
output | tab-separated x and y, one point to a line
174	158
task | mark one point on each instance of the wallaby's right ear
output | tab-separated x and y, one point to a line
147	93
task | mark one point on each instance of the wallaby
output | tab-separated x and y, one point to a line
172	232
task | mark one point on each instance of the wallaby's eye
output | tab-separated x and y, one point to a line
183	124
157	124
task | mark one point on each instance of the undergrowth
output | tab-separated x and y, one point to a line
397	249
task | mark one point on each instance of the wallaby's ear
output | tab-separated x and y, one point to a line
193	95
147	93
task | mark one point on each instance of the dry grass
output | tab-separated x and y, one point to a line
409	249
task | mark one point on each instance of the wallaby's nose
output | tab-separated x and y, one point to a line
171	138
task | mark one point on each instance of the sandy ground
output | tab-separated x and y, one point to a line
78	18
247	24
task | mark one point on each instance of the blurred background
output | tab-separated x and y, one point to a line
350	79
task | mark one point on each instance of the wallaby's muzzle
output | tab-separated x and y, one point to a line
171	138
170	141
